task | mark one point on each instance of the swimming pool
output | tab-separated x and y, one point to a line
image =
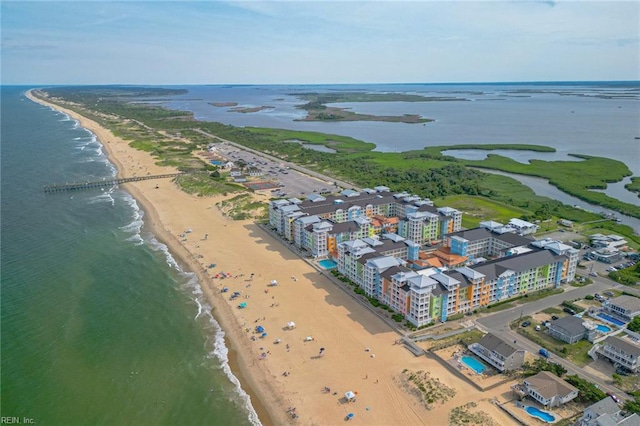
542	415
610	319
474	364
327	264
603	328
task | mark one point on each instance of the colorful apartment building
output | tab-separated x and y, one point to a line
370	212
386	268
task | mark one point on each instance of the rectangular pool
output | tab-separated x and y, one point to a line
611	319
474	364
327	264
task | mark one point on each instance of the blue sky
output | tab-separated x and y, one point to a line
280	42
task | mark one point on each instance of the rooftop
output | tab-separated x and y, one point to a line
549	385
623	344
628	303
496	344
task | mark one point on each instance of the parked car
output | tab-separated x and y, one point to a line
614	397
569	311
538	328
622	371
553	317
526	323
593	274
545	353
607	293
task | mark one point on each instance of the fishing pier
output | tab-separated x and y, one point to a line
78	186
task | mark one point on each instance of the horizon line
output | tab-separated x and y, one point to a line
324	84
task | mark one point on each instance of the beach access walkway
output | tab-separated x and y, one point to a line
77	186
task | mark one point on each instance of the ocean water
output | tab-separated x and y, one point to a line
100	325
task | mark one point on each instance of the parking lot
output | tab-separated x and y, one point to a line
290	182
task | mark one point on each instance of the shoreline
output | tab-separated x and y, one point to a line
235	360
318	307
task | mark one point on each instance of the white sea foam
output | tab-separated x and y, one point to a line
220	350
105	197
199	309
136	224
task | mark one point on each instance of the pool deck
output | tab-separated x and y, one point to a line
488	380
518	413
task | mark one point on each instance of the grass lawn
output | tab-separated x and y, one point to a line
540	294
478	209
576	353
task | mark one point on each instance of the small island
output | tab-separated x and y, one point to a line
223	104
251	109
317	110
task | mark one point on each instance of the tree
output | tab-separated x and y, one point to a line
634	325
632	405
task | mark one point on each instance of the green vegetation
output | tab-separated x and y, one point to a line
573	306
573	177
492	147
429	390
465	338
576	353
243	207
589	392
463	416
634	185
634	325
477	209
541	364
632	405
201	184
627	276
172	136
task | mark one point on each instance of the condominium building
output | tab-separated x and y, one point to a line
427	295
373	212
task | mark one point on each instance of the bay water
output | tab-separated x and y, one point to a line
100	325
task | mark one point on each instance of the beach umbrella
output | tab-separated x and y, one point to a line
243	305
291	324
263	335
259	329
350	415
274	282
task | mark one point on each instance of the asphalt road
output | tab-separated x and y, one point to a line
498	324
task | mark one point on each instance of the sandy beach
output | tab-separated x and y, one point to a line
360	351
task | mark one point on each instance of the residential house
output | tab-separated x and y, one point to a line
498	353
625	307
621	352
549	390
571	329
607	413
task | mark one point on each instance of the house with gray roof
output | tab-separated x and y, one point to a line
571	329
625	307
607	413
549	390
621	352
499	353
